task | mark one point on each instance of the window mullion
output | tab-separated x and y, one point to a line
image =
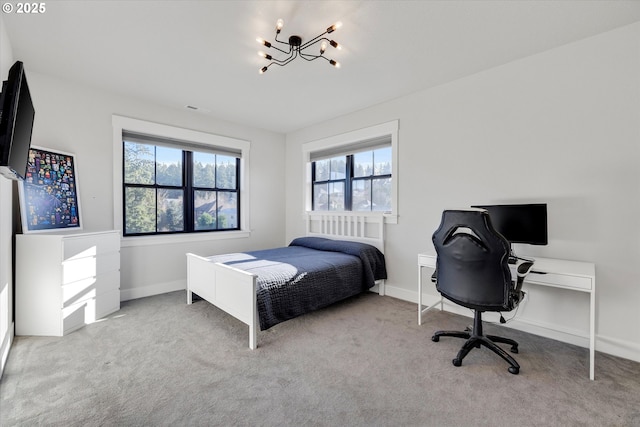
188	191
313	187
348	183
237	189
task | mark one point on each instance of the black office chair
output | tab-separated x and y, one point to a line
472	270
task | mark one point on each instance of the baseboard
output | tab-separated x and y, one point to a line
6	346
157	289
403	294
604	344
617	347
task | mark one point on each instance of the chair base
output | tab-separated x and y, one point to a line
476	339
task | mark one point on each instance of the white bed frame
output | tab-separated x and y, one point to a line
234	290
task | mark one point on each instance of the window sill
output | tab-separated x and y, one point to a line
171	239
390	218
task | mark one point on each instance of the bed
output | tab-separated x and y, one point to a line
341	255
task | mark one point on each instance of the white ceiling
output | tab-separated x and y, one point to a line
204	53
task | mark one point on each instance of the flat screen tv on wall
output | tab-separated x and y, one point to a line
16	123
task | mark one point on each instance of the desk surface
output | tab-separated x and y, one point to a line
541	265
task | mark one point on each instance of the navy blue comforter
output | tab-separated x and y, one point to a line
309	274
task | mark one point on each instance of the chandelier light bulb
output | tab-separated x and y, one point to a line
263	42
334	27
335	44
279	25
265	55
323	47
334	63
262	70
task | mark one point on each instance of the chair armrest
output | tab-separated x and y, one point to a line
523	267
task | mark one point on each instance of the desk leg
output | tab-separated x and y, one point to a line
421	311
419	295
592	334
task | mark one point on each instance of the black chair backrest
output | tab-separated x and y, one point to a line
472	264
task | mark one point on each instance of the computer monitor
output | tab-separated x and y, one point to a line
522	223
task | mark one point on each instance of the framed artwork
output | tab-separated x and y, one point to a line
49	193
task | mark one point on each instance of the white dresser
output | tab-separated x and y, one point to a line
64	282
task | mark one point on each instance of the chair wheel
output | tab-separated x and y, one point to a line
514	370
435	338
514	349
458	362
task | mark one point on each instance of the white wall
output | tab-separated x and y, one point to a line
561	127
78	119
6	227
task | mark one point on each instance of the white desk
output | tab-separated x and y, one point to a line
571	275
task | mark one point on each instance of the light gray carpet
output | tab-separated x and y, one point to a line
361	362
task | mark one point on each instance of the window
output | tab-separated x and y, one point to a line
354	182
329	183
171	190
356	171
173	181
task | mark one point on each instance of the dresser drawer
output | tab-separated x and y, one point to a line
90	245
92	287
88	267
77	315
108	282
88	311
107	303
78	291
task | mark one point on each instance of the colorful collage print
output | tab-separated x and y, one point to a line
50	192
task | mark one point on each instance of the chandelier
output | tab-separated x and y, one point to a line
299	49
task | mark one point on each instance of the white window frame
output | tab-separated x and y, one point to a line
162	131
347	140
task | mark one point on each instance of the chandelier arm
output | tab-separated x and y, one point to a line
280	41
283	51
285	60
312	41
323	38
281	65
320	40
295	55
306	56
